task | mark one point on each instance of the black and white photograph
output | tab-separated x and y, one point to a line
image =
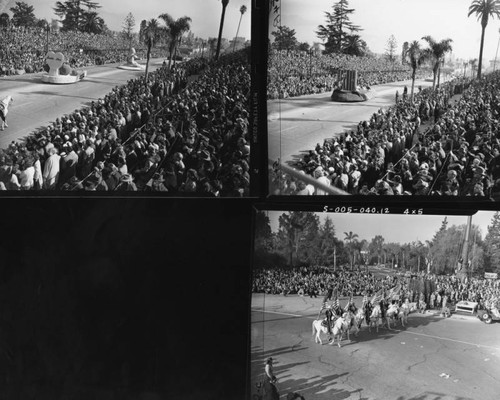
384	97
375	305
118	96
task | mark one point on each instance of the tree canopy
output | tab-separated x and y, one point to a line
23	14
339	33
80	15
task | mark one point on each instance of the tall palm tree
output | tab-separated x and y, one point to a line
243	10
350	238
175	30
151	35
437	51
219	39
415	56
483	10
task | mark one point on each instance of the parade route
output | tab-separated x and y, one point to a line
432	357
297	124
36	104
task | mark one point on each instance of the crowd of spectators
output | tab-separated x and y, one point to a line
297	73
315	282
23	50
443	143
174	133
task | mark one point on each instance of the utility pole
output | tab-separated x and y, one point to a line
462	272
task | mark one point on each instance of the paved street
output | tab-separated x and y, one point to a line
36	104
432	358
296	125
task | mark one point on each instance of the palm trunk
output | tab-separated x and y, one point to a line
147	59
220	31
439	75
434	72
237	31
481	52
413	76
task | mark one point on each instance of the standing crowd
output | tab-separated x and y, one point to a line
183	131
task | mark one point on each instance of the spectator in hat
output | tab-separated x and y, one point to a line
51	169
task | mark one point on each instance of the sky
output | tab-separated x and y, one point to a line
205	14
407	20
394	228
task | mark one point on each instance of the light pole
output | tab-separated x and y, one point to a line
47	30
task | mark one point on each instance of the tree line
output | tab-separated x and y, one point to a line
302	240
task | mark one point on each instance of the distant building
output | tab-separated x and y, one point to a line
318	48
238	43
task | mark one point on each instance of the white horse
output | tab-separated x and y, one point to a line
392	313
404	311
354	321
375	318
337	330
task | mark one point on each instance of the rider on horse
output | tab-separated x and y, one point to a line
329	318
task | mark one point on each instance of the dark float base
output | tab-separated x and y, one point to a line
347	96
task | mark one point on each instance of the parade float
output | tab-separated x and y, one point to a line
131	64
59	71
348	91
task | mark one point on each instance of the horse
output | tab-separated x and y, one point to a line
392	313
375	316
404	311
338	329
354	320
318	328
422	306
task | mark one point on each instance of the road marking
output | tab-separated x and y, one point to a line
451	340
276	312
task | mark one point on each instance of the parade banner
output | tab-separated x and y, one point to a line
490	275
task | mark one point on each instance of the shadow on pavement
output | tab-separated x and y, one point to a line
316	385
55	94
433	396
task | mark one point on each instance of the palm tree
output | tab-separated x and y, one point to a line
219	39
473	65
243	10
415	56
483	10
92	23
354	45
151	35
350	238
437	51
175	30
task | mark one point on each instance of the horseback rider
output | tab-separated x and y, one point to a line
329	317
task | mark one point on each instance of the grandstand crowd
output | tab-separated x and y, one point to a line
23	50
184	131
297	73
314	282
443	143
